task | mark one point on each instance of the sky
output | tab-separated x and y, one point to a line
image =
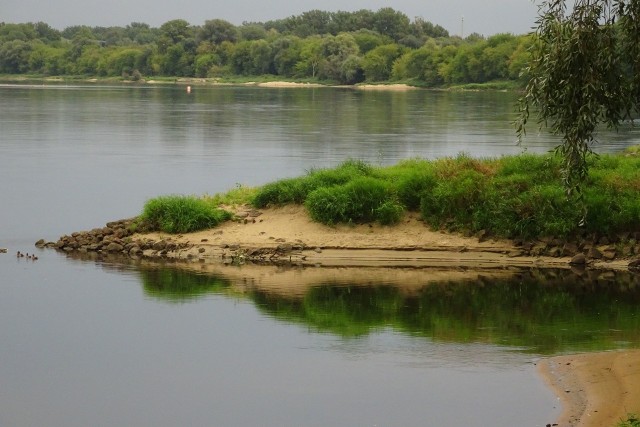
486	17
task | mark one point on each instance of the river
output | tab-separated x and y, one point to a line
104	342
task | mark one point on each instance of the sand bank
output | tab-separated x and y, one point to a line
596	389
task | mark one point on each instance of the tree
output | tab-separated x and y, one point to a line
14	56
216	31
584	72
391	23
340	59
378	63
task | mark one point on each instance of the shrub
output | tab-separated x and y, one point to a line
363	199
181	214
290	190
389	212
296	190
453	200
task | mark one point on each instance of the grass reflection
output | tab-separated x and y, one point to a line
175	285
543	312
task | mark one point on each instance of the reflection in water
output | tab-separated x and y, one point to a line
543	312
180	286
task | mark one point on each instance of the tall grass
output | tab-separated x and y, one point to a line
181	214
364	199
296	190
512	196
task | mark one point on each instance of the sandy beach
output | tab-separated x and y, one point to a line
596	389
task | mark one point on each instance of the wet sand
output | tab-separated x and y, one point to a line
596	389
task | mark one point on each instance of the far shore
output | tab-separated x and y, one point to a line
9	80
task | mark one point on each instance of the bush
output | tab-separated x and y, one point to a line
363	199
181	214
296	190
454	200
291	190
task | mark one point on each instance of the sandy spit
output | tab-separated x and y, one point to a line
596	389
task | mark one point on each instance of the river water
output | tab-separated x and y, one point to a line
103	342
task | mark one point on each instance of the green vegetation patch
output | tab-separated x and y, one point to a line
512	196
631	421
365	199
181	214
296	190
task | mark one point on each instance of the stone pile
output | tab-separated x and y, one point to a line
115	237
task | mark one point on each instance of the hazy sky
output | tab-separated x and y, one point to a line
483	16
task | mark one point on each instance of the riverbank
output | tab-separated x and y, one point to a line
596	389
196	81
288	235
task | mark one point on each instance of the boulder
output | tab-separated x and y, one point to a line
114	247
594	253
578	259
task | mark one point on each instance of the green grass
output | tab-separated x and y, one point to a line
512	196
631	421
364	199
181	214
239	195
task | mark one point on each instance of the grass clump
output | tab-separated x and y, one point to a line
365	199
631	421
296	190
239	195
181	214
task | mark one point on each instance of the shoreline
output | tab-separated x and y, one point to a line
595	389
20	80
288	235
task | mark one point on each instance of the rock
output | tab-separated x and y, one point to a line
538	249
569	249
634	264
555	252
482	235
594	253
159	245
40	243
285	247
578	259
114	247
201	250
609	254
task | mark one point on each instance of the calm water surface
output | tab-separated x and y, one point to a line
95	342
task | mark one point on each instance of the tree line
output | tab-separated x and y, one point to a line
338	47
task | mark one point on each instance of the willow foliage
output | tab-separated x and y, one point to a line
584	72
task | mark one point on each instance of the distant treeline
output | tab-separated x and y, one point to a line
340	47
